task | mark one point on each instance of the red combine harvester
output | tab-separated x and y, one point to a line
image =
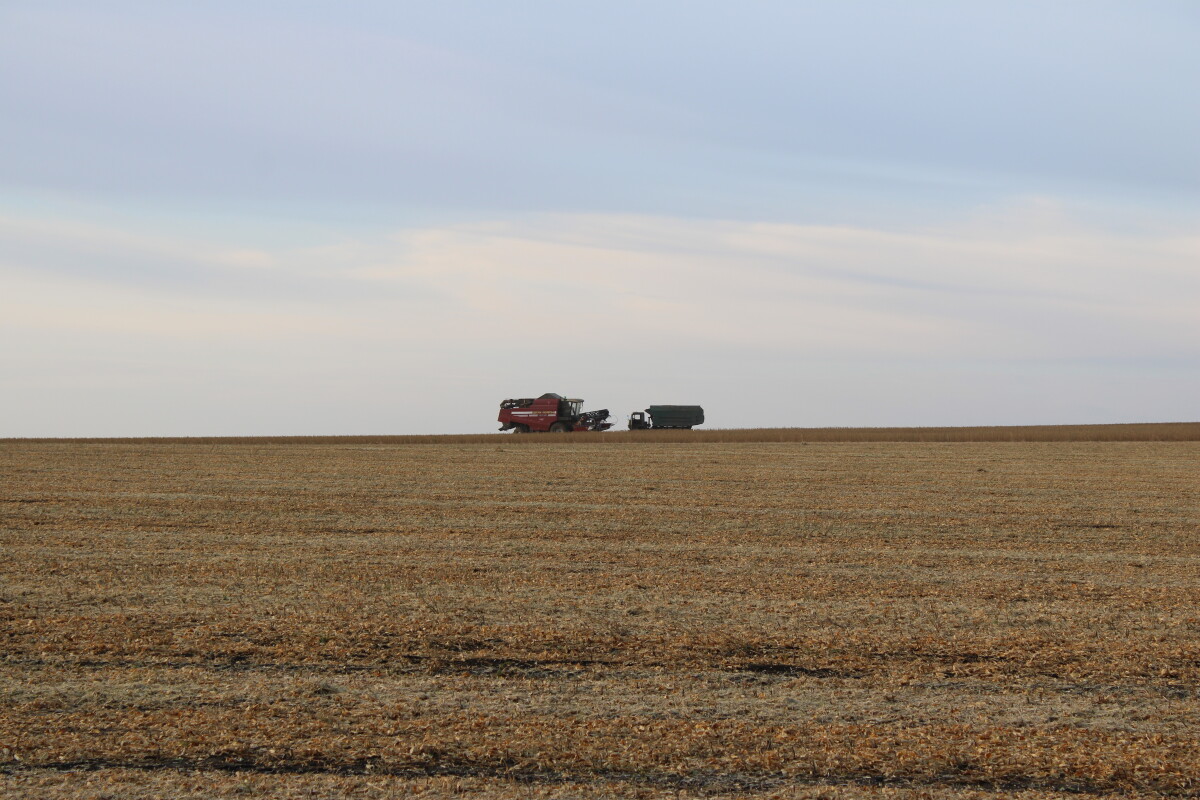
550	412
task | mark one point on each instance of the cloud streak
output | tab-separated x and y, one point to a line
977	288
1020	288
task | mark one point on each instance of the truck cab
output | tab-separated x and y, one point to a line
637	421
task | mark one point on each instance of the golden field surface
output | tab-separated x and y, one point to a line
1123	432
553	617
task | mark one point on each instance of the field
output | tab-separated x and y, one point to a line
558	617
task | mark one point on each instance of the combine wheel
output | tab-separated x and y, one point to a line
560	427
519	428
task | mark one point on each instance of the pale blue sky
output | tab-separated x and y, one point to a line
276	218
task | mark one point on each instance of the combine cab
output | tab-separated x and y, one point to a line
550	413
678	417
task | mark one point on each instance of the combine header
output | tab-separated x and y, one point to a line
550	412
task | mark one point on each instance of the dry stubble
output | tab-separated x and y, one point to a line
581	620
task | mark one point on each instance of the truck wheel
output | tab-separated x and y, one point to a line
519	428
560	427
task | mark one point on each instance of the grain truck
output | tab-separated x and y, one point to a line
666	417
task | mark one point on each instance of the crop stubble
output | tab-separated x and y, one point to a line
849	619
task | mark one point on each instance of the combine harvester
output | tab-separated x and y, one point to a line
550	413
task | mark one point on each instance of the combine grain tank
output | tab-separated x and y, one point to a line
656	417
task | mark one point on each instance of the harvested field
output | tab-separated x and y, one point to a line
1125	432
552	617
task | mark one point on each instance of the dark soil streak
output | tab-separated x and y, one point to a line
706	782
411	663
795	670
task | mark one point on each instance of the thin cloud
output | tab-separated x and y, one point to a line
1030	317
1003	292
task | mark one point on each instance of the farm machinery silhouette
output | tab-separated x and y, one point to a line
553	413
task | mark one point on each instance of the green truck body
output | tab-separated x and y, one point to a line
667	417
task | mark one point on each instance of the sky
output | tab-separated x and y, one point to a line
292	218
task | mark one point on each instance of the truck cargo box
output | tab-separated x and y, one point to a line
675	416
